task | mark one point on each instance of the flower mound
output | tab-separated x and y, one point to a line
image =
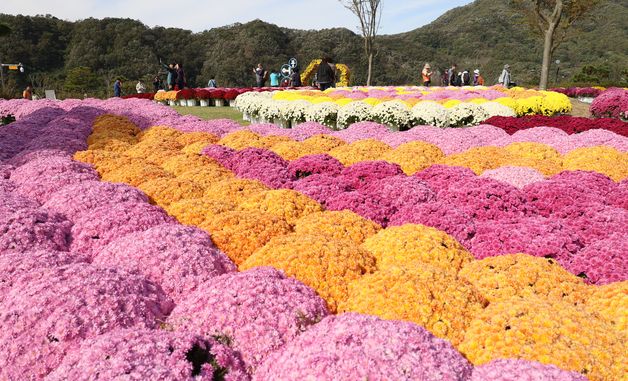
549	332
76	199
50	310
610	302
415	156
314	164
522	370
178	258
286	204
234	190
537	236
362	150
136	173
502	277
164	192
602	262
362	174
26	229
328	266
353	346
259	311
337	225
417	245
322	188
150	355
518	177
239	233
432	298
263	165
96	228
602	159
198	210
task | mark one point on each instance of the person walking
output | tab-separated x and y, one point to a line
181	80
140	88
478	80
295	78
505	78
325	75
452	75
28	93
212	82
466	78
260	75
426	75
117	88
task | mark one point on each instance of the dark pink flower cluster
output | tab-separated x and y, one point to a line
364	173
569	124
612	103
576	92
314	164
602	262
263	165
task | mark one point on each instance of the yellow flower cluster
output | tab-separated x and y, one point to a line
342	224
283	203
478	159
326	265
555	332
344	79
182	163
502	277
242	139
136	173
414	156
234	190
197	137
207	175
610	302
606	160
112	133
362	150
196	211
163	191
239	233
162	96
104	161
413	246
432	298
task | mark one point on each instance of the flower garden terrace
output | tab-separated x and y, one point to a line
187	248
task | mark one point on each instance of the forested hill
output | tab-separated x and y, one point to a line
485	34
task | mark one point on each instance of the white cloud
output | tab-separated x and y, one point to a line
198	15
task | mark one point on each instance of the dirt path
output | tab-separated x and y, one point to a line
580	108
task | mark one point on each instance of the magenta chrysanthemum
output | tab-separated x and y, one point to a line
602	262
260	310
176	257
362	347
362	174
49	310
314	164
34	229
150	355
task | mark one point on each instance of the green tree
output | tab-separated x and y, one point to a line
4	30
81	80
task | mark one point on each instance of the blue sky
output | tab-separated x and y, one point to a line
197	15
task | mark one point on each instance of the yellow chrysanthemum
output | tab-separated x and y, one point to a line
502	277
164	192
194	148
114	125
271	140
322	143
553	332
432	298
610	302
113	145
155	151
479	159
415	156
197	210
135	173
413	246
362	150
602	159
292	150
103	161
240	233
234	190
207	175
183	163
328	266
242	139
284	203
188	138
342	224
159	133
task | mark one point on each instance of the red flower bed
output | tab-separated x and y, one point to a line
569	124
575	92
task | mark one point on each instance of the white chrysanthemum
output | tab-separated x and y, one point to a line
497	109
430	113
467	114
395	114
324	113
353	112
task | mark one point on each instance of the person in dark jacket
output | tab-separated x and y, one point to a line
117	88
181	83
171	80
295	78
325	75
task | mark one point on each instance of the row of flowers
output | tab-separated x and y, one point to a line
569	124
580	92
398	114
262	324
612	103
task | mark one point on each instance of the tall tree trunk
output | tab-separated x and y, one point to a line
547	56
368	78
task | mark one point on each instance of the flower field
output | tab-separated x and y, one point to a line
140	244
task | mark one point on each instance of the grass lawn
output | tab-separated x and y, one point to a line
213	113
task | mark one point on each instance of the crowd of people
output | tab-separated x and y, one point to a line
454	77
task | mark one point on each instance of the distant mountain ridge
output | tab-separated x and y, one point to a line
485	34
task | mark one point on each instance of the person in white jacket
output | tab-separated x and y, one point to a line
140	87
504	78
